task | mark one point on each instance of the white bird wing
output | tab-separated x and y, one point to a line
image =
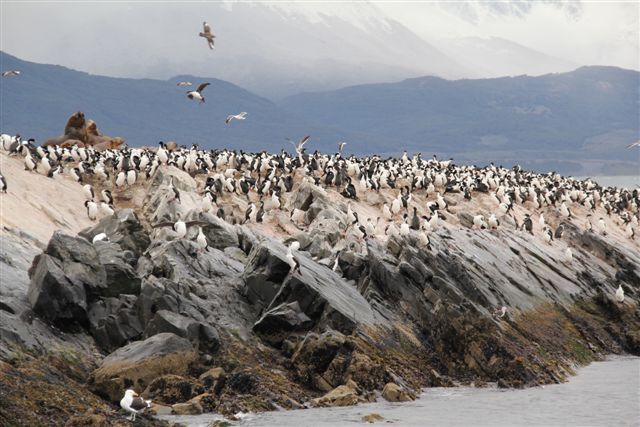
635	144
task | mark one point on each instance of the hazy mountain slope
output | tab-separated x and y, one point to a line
496	57
39	101
590	113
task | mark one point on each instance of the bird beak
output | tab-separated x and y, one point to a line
135	394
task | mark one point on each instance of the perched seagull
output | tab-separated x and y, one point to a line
568	255
634	144
231	117
100	237
201	240
197	94
131	402
10	73
500	312
620	294
207	34
184	84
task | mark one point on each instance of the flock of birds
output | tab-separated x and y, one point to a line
266	178
417	186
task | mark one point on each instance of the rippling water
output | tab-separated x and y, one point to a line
602	394
628	181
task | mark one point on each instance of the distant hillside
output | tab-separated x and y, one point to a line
143	111
577	122
581	116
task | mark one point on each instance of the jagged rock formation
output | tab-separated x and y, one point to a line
234	328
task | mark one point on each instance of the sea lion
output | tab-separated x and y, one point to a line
71	142
171	145
109	144
74	129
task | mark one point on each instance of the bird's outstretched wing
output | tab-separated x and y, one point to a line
229	118
163	224
303	141
196	222
202	86
635	144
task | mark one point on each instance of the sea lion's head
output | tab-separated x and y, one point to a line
92	128
116	143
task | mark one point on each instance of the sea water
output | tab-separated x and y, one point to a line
601	394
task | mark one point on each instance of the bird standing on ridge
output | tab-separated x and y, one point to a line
197	94
207	34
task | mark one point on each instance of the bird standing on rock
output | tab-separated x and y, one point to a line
134	404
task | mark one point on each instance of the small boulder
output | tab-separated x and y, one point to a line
344	395
392	392
187	408
114	321
170	389
372	418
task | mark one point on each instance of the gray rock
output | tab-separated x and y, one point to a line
277	323
122	228
141	362
201	334
114	321
118	264
52	295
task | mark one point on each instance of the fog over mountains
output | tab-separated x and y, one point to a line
577	122
277	49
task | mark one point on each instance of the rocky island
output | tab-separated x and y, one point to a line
323	280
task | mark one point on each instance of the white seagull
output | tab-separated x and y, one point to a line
620	294
131	402
10	73
231	117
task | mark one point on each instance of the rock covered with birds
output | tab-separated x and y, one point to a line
305	274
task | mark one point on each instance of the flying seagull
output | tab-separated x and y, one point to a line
300	145
634	144
184	83
207	34
197	94
10	73
341	146
231	117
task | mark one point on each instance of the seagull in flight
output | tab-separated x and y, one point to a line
231	117
10	73
184	84
341	146
300	145
207	34
635	144
197	94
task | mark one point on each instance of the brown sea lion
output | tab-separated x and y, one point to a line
74	129
71	142
109	144
171	145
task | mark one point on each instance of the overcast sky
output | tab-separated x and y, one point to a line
72	34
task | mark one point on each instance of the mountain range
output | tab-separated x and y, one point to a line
577	122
